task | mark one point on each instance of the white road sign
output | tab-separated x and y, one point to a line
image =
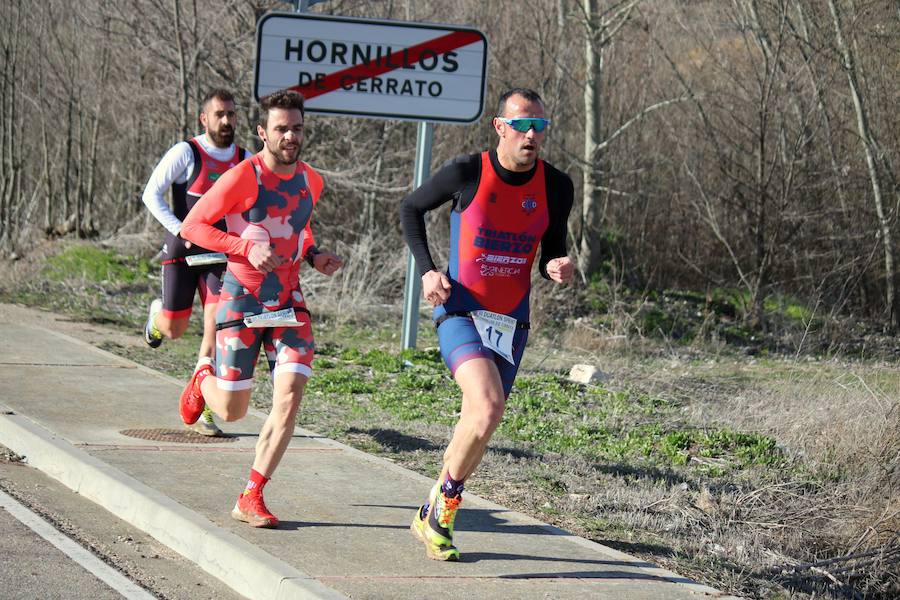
373	68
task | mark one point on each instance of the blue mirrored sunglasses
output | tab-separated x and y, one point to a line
523	125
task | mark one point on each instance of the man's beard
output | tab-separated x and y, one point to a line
222	138
278	155
526	161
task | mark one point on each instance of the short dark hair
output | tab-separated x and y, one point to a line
527	93
286	99
219	93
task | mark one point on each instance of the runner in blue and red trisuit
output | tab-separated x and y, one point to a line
190	168
506	204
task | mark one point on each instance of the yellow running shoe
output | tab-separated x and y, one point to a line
435	528
206	424
152	335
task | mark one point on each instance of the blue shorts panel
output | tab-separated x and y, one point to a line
459	341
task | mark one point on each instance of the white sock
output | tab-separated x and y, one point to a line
203	360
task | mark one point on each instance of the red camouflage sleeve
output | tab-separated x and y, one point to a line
316	185
233	192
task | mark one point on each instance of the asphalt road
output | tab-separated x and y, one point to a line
32	567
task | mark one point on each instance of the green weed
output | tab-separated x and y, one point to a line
550	483
789	307
341	381
427	406
95	265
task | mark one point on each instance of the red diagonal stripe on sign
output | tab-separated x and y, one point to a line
391	62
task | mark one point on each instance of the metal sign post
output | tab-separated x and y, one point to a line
413	288
302	5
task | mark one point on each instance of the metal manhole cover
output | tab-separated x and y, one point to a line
175	435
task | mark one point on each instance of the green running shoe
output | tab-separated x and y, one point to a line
435	529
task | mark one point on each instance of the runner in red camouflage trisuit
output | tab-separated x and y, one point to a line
267	202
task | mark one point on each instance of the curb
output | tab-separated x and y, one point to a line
240	565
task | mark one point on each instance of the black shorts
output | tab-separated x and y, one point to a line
179	282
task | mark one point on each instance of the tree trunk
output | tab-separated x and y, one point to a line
47	177
79	182
560	120
184	82
803	30
91	166
7	97
600	30
368	214
10	164
591	208
869	147
67	193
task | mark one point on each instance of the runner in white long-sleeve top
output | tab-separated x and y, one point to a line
190	168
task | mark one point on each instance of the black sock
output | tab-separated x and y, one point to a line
451	488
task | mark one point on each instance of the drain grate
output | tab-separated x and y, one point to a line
175	435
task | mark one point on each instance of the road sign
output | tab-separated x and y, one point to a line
373	68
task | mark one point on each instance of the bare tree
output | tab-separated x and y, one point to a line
747	165
870	147
11	126
751	178
600	28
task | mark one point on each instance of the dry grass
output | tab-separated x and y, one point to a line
822	523
359	289
829	519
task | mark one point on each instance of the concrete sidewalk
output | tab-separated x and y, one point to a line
345	514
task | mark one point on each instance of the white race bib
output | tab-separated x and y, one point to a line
210	258
279	318
496	331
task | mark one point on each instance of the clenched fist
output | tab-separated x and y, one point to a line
561	269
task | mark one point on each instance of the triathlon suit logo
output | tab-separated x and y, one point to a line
495	247
529	205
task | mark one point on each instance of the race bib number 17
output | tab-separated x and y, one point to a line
496	331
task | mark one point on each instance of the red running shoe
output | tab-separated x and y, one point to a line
251	508
192	402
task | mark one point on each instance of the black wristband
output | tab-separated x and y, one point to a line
311	254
